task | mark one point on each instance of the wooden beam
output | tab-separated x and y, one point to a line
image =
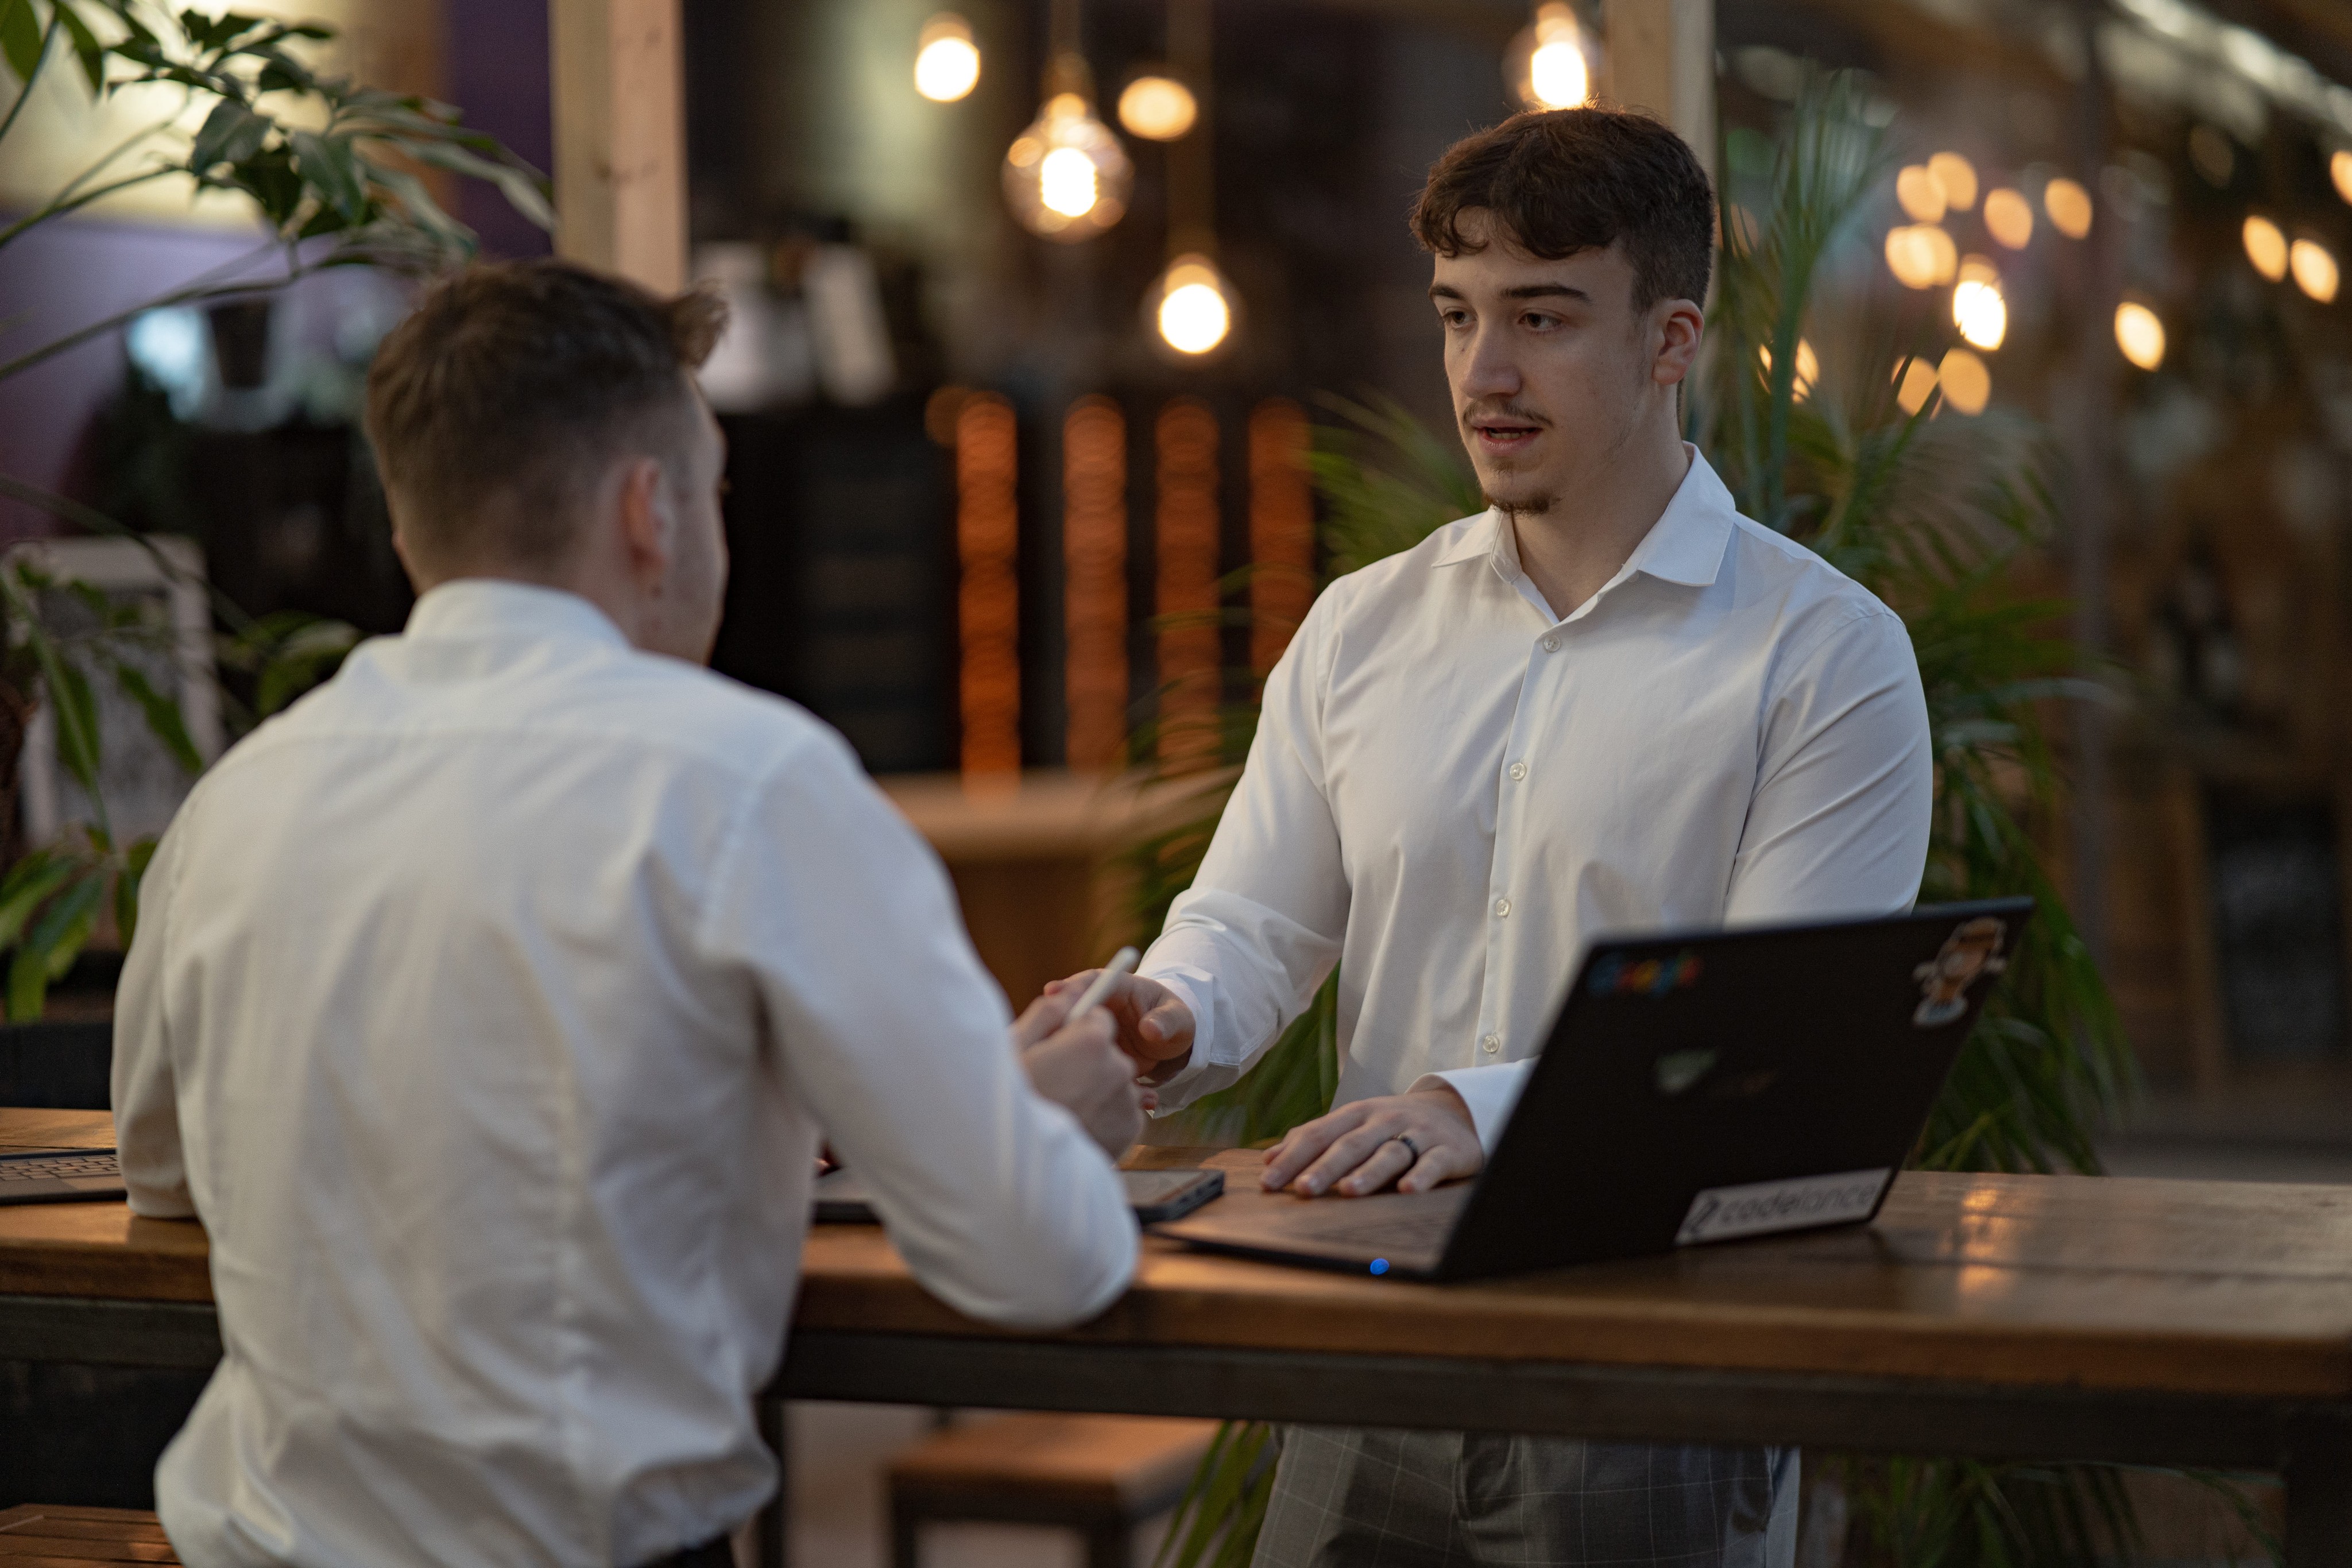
1659	55
620	137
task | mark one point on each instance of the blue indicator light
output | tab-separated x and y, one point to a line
1379	1264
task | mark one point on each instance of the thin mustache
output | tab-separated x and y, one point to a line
1505	413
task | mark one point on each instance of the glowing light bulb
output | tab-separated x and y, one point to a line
1548	65
1957	177
1920	193
1192	307
1921	255
1918	384
2339	169
2315	270
1978	308
947	62
2266	247
1067	184
2139	333
1067	177
2068	207
1967	383
1809	368
1157	107
2010	218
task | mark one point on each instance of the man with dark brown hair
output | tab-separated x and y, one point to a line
488	1006
1607	704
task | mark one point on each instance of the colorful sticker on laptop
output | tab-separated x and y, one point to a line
1970	953
1759	1209
1614	976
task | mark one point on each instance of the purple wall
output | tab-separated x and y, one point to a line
497	72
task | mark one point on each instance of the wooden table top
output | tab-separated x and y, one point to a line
2241	1289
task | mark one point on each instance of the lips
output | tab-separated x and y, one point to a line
1504	436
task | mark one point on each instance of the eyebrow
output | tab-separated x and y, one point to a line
1525	291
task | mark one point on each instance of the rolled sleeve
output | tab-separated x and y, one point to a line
144	1086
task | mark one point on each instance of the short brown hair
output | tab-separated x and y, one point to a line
509	383
1566	180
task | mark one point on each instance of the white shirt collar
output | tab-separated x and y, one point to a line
476	607
1685	545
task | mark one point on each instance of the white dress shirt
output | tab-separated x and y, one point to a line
1453	790
487	1007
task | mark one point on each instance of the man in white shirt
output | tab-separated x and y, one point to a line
489	1007
1608	703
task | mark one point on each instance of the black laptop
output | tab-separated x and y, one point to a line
1694	1089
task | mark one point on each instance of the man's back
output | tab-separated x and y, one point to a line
525	968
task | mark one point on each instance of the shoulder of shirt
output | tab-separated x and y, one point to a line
1401	572
1813	592
637	701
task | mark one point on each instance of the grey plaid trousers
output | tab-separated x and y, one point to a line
1347	1499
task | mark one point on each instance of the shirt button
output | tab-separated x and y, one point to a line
1501	907
1519	771
1492	1044
1552	644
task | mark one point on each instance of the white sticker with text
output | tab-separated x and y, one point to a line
1721	1213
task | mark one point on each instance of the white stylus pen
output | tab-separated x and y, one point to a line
1122	961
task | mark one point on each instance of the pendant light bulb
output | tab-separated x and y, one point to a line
1157	107
1551	64
1067	177
947	62
1190	307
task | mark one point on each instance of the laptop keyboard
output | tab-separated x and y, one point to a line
58	1167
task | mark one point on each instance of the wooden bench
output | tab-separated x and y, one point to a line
1101	1475
36	1535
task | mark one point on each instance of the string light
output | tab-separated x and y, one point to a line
2068	207
1190	307
947	62
2009	218
1067	177
1282	528
1957	177
1549	64
1186	525
1917	384
1920	193
1094	553
1921	255
1978	308
1157	107
2339	169
2315	270
2139	333
1966	383
1809	368
2266	248
988	602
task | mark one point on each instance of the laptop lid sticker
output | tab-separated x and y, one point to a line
1970	953
1759	1209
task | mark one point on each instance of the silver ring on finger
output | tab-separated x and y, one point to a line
1406	1139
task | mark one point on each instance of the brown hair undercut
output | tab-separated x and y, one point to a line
512	383
1567	179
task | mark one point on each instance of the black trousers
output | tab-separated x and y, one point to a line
712	1554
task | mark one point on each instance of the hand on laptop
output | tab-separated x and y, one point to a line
1155	1029
1415	1140
1080	1069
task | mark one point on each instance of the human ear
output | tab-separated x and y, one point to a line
1679	325
648	518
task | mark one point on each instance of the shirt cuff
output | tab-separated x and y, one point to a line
1194	989
1490	1093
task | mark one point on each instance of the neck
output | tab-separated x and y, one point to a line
1571	551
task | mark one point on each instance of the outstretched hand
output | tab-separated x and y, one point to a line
1155	1028
1415	1140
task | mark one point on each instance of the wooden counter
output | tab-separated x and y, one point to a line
2049	1317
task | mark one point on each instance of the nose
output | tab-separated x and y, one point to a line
1486	366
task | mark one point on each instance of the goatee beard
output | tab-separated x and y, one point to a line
1527	506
